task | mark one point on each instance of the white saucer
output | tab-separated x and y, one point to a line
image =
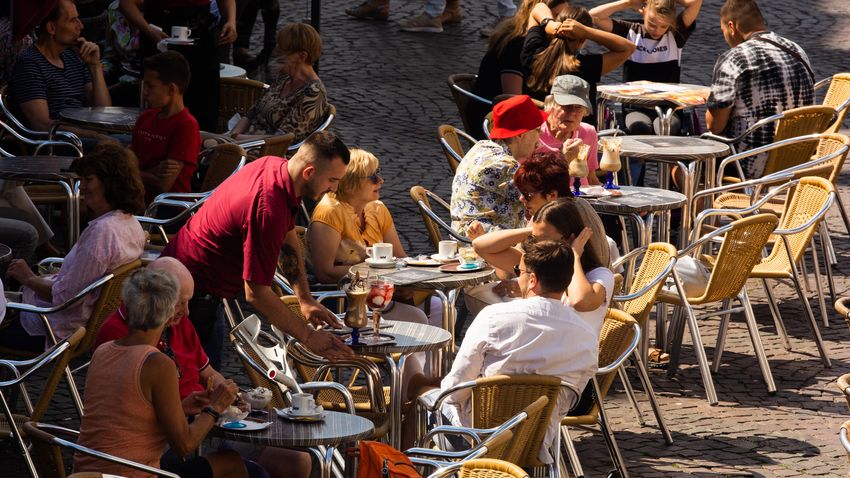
249	426
178	41
380	264
445	259
318	414
412	261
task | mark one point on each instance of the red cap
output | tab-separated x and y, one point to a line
514	116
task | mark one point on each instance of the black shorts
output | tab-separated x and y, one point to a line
197	467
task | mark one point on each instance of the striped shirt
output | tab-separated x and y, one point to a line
35	78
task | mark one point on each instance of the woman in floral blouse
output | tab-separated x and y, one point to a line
297	102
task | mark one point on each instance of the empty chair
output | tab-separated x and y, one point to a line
237	95
460	86
837	96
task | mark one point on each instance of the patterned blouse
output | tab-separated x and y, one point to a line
483	189
300	112
757	79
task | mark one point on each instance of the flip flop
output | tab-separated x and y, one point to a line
658	359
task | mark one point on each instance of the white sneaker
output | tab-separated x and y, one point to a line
422	23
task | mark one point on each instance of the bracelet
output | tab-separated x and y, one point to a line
545	22
211	412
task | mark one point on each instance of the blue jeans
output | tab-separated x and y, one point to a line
434	8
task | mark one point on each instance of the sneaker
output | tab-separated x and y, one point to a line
422	23
488	30
370	11
451	15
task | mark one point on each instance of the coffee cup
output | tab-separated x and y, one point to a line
181	33
380	252
303	404
447	249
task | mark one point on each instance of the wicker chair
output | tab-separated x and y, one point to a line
483	442
460	86
48	450
837	97
107	302
789	124
617	342
740	251
845	440
224	160
325	125
59	355
659	258
805	208
450	140
277	145
18	126
482	468
495	400
237	95
433	223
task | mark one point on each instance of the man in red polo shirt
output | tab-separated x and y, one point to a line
179	340
233	242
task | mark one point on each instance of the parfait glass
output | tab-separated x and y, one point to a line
380	294
578	168
610	160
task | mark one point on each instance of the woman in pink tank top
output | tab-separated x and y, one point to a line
133	407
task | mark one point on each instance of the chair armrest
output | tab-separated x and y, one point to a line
768	147
434	217
628	257
610	132
473	434
51	261
626	354
812	221
68	303
663	275
448	149
824	82
842	435
34	363
703	215
112	458
758	124
337	387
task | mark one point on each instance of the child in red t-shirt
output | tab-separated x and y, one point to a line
166	137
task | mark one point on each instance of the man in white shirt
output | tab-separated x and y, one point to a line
535	335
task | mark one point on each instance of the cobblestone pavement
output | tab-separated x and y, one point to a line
389	88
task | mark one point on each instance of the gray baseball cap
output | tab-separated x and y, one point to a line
571	90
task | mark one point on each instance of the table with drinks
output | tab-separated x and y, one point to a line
665	98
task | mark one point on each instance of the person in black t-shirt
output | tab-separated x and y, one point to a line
546	56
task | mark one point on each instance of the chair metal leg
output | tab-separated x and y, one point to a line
656	409
75	392
721	336
696	338
16	434
811	316
805	276
630	393
843	212
829	258
572	456
752	327
675	335
818	286
777	317
608	434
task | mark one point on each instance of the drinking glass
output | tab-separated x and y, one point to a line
380	294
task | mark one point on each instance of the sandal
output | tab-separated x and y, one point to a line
370	10
658	359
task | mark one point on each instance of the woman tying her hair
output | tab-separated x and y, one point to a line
659	41
552	48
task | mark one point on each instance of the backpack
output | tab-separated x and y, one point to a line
379	460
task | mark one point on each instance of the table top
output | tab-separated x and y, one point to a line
34	168
410	337
108	118
638	199
648	93
443	281
335	429
666	148
227	70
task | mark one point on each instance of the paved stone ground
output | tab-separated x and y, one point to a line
390	91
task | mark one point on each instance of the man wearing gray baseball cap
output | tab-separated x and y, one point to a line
567	103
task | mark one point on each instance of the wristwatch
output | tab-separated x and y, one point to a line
211	412
545	22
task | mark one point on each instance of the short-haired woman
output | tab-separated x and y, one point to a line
297	102
111	190
133	407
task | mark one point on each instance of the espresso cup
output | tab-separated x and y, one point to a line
303	404
447	248
181	33
380	252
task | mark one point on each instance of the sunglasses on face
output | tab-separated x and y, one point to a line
518	271
528	195
375	177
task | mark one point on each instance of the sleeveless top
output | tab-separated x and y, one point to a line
119	420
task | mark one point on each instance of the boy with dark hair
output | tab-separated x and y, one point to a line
166	137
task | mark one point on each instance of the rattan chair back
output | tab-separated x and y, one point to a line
490	468
808	198
844	385
224	160
842	306
497	398
837	94
277	145
740	251
655	260
449	134
237	95
107	302
418	193
465	82
797	122
828	144
617	334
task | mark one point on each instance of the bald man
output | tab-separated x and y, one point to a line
179	340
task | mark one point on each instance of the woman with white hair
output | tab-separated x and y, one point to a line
133	407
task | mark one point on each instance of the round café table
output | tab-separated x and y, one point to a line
695	157
665	98
226	70
49	170
445	286
108	119
335	429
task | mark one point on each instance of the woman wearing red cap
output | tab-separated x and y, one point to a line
483	188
